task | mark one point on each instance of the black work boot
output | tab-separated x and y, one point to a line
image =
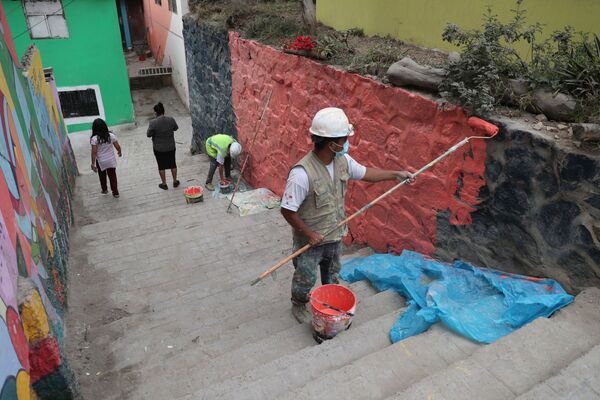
301	313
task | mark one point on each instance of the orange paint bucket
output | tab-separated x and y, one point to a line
332	307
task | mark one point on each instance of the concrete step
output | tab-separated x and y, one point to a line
233	304
136	182
219	293
182	219
277	377
212	268
138	198
514	364
200	282
277	344
133	177
122	254
187	215
129	221
223	326
201	260
383	373
249	348
580	380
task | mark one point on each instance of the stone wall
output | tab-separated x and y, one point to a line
539	213
209	80
519	203
37	170
395	129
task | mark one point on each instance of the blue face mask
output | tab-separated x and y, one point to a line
344	150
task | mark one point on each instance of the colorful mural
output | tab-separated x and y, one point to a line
37	171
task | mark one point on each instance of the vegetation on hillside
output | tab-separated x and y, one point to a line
566	62
279	22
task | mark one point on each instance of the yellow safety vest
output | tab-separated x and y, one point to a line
218	144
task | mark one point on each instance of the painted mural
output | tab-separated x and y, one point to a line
37	171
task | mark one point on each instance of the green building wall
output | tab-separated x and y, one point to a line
92	55
421	22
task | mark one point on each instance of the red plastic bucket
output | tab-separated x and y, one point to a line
328	322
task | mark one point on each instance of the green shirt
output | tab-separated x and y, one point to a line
218	145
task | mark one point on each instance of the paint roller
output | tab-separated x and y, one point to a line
478	125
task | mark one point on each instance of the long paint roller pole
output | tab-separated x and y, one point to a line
476	123
237	185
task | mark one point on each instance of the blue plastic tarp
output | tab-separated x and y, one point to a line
481	304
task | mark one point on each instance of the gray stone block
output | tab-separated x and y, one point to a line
465	379
293	370
514	364
532	208
580	380
391	369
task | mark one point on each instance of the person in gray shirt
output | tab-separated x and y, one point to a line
162	131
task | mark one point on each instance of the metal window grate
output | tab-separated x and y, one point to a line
155	71
49	74
79	103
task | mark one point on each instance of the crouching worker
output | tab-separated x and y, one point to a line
313	203
220	149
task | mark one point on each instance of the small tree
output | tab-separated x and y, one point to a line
309	12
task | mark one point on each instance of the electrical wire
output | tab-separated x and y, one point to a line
167	29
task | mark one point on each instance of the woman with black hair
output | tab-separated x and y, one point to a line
104	161
162	131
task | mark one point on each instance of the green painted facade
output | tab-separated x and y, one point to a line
92	55
421	22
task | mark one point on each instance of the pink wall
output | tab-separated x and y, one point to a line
158	22
395	129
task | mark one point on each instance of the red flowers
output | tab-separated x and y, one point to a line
302	43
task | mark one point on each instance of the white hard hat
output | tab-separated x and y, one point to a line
235	149
331	122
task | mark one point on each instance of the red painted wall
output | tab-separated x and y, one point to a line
395	129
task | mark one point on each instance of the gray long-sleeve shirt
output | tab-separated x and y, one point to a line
161	130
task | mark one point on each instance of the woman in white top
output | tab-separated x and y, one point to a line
103	156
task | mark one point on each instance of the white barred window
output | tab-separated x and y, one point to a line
45	19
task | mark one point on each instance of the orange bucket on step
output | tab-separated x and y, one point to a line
328	322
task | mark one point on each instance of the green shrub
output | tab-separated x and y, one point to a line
565	62
579	69
488	58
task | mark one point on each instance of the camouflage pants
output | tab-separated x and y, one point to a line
326	257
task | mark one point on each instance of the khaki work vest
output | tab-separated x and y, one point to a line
323	207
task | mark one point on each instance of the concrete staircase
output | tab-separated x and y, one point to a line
161	308
534	362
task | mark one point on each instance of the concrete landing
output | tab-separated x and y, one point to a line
161	307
